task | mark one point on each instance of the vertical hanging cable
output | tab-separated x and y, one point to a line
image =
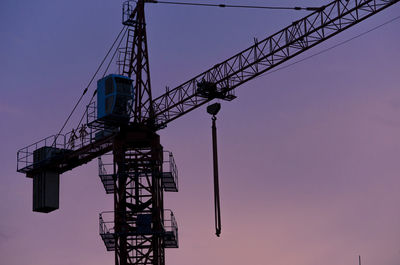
216	181
213	110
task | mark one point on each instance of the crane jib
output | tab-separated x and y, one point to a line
264	55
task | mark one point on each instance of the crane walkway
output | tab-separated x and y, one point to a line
169	232
63	152
169	173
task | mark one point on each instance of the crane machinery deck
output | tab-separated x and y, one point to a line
122	127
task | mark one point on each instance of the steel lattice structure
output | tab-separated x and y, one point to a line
274	50
136	61
139	232
138	197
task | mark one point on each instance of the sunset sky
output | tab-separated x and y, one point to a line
309	155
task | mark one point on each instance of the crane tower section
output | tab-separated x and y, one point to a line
139	229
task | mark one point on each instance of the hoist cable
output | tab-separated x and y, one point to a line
236	6
87	87
217	204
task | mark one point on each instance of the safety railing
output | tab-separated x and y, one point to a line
70	141
106	230
25	155
106	164
77	138
91	112
170	172
106	222
170	230
106	172
102	169
127	11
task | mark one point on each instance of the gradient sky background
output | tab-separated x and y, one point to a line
309	155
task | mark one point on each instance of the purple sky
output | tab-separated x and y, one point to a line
309	155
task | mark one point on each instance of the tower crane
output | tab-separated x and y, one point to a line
126	117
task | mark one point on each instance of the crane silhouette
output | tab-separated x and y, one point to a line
126	117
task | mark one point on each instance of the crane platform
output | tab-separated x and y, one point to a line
63	152
169	231
169	174
107	232
105	167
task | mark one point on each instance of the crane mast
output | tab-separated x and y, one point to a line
139	236
135	61
139	228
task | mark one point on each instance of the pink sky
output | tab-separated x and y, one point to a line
309	155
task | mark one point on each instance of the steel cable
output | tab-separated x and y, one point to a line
87	87
236	6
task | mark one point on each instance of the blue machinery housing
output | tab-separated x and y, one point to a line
114	98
